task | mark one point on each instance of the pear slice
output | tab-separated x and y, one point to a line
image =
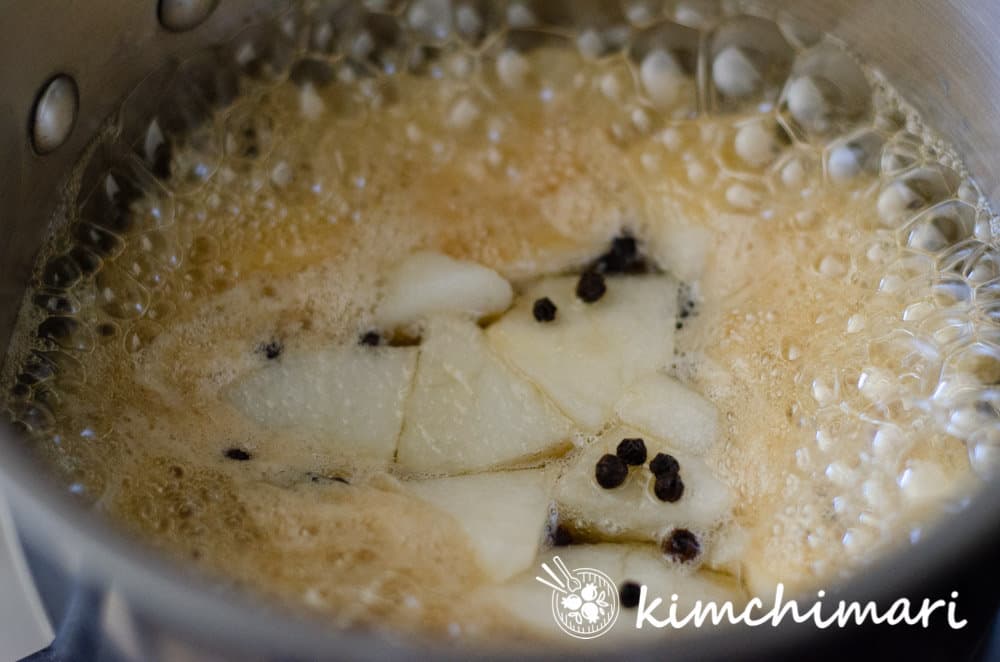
426	283
661	406
586	357
468	411
632	511
503	513
345	401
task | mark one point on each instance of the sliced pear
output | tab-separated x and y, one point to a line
346	400
631	511
426	283
503	513
661	406
590	353
468	411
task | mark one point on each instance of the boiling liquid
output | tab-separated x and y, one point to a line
840	266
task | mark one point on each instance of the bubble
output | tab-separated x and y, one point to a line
914	191
665	56
827	92
61	272
430	18
696	13
923	482
793	173
519	15
141	335
512	68
263	54
984	452
755	143
983	267
744	197
35	416
856	323
832	266
249	134
66	332
310	103
854	155
900	154
940	226
99	241
463	114
56	302
734	74
750	60
662	78
120	295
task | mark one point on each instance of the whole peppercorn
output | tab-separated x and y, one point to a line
272	349
544	310
610	471
237	454
664	463
561	537
629	594
370	339
632	451
681	545
622	258
668	487
590	287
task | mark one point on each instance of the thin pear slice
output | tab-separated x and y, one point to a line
469	412
503	513
632	511
426	283
345	401
661	406
588	355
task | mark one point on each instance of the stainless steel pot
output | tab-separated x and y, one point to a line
123	603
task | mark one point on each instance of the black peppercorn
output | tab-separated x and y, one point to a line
663	464
622	258
668	487
628	595
370	339
272	349
632	451
590	287
610	471
681	545
561	537
544	310
237	454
